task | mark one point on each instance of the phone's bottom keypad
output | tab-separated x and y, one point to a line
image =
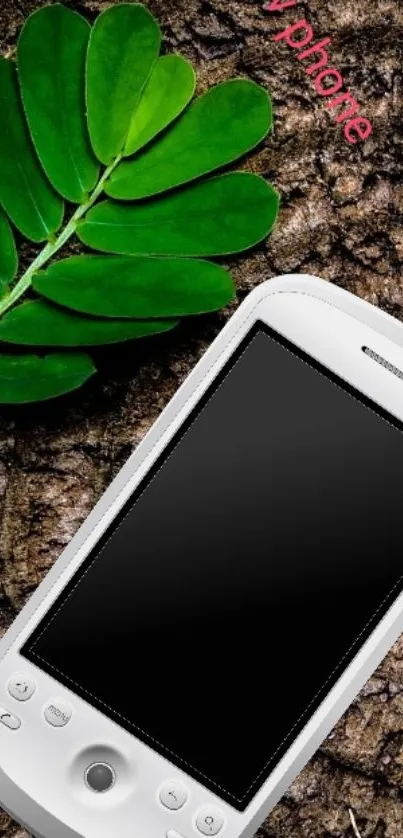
101	776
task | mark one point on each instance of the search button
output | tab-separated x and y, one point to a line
210	821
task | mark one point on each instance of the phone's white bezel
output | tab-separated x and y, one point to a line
41	768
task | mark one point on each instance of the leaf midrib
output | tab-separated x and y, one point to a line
63	122
160	222
126	48
32	198
146	171
42	378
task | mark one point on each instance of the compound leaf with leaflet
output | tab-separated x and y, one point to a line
82	97
123	48
51	62
169	89
31	378
25	193
126	286
38	323
221	126
227	214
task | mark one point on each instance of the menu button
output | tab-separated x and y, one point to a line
58	713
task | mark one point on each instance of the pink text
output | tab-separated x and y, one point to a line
327	80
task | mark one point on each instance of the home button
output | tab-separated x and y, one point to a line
100	777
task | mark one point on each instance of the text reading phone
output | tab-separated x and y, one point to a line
232	591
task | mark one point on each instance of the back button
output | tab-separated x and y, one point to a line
173	795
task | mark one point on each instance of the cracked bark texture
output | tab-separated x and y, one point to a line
340	219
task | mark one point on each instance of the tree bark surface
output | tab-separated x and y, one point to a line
341	220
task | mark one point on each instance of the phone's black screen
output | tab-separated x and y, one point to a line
244	573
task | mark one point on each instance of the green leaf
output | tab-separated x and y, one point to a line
8	253
169	89
124	45
30	378
224	215
25	192
221	126
126	286
38	323
52	50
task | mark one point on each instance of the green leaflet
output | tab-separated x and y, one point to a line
51	62
169	89
227	214
8	253
30	378
124	45
221	126
126	286
25	192
38	323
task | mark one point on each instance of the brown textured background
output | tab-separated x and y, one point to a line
340	219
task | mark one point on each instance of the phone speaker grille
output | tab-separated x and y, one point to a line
383	362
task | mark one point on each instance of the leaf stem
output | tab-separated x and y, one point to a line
51	248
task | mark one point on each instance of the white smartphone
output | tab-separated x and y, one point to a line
231	592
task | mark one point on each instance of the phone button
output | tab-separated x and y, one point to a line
21	687
9	720
58	713
210	821
173	795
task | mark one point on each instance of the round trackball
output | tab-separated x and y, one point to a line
100	777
